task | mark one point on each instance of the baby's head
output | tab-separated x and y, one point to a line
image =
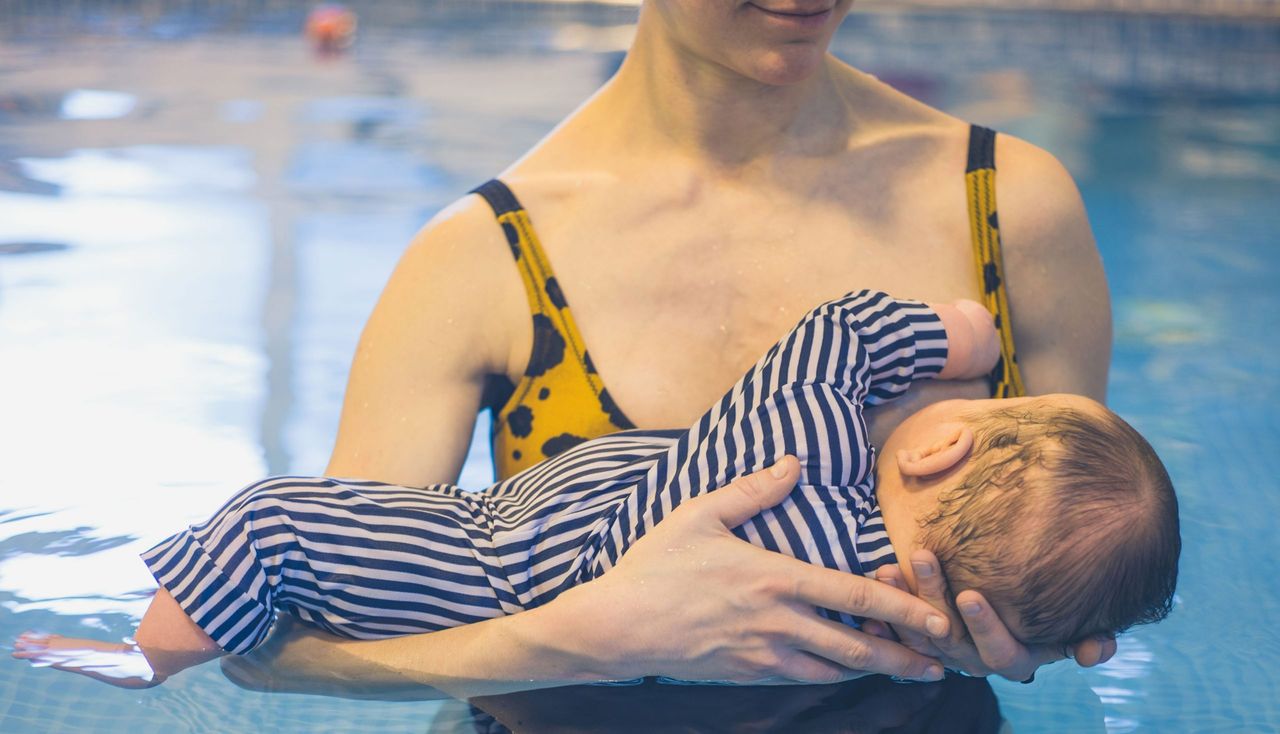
1056	510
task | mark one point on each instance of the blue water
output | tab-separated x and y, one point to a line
196	216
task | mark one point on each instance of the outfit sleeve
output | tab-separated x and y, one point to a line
904	340
804	397
358	559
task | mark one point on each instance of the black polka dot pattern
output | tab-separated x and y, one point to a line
563	442
548	347
521	421
560	401
552	287
990	277
513	239
980	187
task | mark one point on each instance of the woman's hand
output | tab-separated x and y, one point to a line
988	648
690	600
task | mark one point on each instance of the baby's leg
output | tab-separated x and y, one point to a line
805	396
359	559
167	642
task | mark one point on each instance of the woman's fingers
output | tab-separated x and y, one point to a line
857	651
892	575
746	497
752	613
799	666
989	647
864	597
1006	656
1093	651
932	588
879	629
997	647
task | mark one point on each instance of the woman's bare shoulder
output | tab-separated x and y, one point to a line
464	230
1053	273
1056	284
460	265
450	315
1033	187
1038	202
1041	196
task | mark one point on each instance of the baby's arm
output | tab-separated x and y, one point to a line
803	398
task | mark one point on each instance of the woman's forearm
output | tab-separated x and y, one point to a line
521	652
533	649
689	600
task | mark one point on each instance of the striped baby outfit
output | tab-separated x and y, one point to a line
366	560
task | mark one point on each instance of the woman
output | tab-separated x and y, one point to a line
731	175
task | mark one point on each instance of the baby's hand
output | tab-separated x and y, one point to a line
973	345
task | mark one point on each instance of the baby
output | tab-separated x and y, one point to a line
1052	507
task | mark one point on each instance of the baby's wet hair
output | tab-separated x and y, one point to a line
1066	520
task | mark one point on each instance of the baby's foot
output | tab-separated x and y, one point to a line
118	663
986	348
973	345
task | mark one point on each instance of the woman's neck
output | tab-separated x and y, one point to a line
667	99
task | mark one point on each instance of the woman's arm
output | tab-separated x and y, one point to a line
443	323
1058	296
414	390
1062	326
1061	312
688	600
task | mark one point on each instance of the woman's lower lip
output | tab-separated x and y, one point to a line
796	21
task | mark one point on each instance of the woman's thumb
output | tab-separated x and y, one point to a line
746	497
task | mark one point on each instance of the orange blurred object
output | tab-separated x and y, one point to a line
331	29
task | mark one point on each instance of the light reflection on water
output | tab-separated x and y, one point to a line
96	104
185	267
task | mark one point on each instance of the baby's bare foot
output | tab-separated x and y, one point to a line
118	663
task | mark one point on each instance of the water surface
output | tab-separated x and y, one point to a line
196	216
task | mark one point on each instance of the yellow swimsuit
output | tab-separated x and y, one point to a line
561	401
984	231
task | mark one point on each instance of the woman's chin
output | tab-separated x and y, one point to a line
783	67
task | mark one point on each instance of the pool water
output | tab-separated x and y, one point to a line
196	216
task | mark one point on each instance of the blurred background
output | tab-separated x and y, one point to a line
200	201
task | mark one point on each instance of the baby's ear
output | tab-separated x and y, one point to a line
946	447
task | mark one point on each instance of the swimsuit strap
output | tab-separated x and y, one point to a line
984	228
561	400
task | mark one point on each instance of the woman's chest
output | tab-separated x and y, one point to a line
677	291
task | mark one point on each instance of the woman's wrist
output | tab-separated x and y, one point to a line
572	640
564	642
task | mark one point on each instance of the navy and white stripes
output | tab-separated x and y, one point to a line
367	560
